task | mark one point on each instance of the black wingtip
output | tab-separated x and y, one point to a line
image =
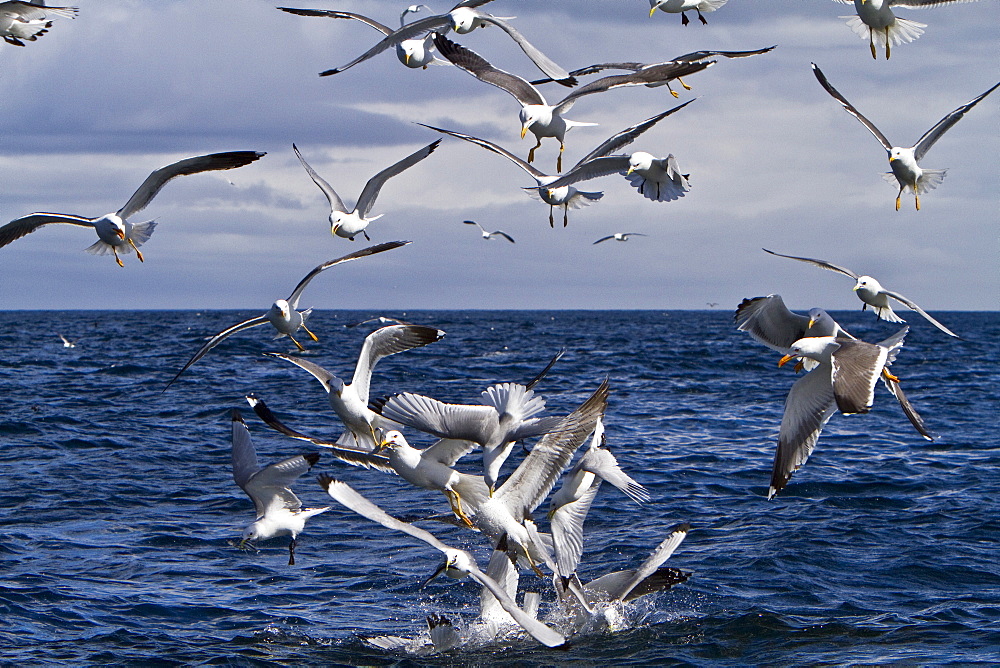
312	458
326	73
237	416
325	480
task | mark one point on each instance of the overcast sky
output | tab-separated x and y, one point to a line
91	108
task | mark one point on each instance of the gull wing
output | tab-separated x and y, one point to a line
347	455
567	530
548	367
628	135
447	451
591	169
202	163
651	74
387	341
535	628
453	421
318	372
216	340
490	146
19	227
857	366
333	14
924	143
269	487
245	462
532	481
655	560
504	235
661	579
408	31
809	405
701	55
908	409
293	299
477	66
912	305
502	571
769	321
850	108
608	238
375	183
594	69
822	264
336	203
543	62
603	464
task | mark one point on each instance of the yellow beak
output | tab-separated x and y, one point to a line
121	234
784	360
524	131
654	9
811	321
630	170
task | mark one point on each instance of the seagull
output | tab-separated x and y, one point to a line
350	400
682	6
463	18
871	292
279	511
875	17
441	631
284	315
541	118
28	20
457	564
569	506
430	468
693	57
903	161
506	416
66	342
115	232
347	224
844	380
620	236
416	53
489	235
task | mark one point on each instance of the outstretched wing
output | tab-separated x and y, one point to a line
809	405
408	31
543	62
652	74
477	66
245	462
336	203
850	108
333	14
769	321
628	135
924	143
216	340
19	227
375	183
387	341
822	264
293	299
490	146
912	305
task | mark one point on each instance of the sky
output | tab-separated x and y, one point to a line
128	86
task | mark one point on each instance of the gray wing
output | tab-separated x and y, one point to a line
19	227
603	464
318	372
216	340
592	169
543	62
293	299
333	14
594	69
535	628
245	462
857	366
567	530
345	495
271	485
809	405
822	264
912	305
609	238
32	11
769	321
387	341
336	203
921	4
850	108
477	66
375	183
662	578
408	31
347	455
652	74
532	481
908	409
202	163
453	421
544	372
653	562
628	135
504	235
447	451
924	143
702	55
490	146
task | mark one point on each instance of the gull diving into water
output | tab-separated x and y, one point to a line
463	18
683	6
347	224
284	315
27	21
114	230
541	118
489	235
903	161
457	564
871	292
875	19
279	511
350	400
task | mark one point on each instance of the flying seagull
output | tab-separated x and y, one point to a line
903	161
279	511
682	6
871	292
621	236
489	235
284	315
541	118
463	18
347	224
115	232
27	21
875	17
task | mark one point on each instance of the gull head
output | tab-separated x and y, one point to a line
867	287
818	316
250	534
818	348
457	564
392	439
413	53
465	19
532	114
640	161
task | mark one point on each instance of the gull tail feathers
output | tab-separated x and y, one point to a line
903	30
513	399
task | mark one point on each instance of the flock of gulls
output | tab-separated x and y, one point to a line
842	371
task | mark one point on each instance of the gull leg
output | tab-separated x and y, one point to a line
117	259
684	19
889	376
551	223
686	87
672	91
291	553
297	344
565	215
899	197
531	153
367	238
871	43
887	42
562	147
701	18
456	506
311	335
136	249
916	196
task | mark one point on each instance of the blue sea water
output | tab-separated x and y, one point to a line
118	513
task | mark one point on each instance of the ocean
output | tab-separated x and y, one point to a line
119	514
